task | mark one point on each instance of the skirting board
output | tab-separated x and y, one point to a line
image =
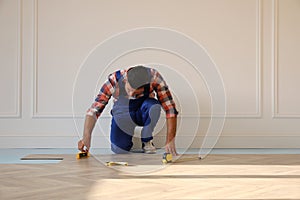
181	142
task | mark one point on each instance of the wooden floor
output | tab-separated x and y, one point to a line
216	177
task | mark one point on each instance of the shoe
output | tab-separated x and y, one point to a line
148	147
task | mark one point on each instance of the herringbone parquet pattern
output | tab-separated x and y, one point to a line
216	177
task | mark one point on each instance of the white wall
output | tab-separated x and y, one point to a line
45	90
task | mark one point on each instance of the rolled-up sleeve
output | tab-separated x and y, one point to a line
164	95
103	97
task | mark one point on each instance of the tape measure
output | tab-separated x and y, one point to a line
167	158
82	155
113	163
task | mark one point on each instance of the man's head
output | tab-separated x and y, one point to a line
138	77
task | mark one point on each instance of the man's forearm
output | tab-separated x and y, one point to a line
171	129
89	124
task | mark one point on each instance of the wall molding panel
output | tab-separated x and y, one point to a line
35	57
258	59
258	67
276	113
18	90
36	113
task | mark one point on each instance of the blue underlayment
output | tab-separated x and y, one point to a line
13	156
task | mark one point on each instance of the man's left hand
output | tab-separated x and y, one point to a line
170	148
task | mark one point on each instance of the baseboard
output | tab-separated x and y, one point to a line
181	142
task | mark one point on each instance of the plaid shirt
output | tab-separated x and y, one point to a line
111	88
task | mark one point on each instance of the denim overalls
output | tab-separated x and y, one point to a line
129	113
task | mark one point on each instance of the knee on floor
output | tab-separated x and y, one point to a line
120	149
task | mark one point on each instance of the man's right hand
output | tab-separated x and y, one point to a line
82	146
